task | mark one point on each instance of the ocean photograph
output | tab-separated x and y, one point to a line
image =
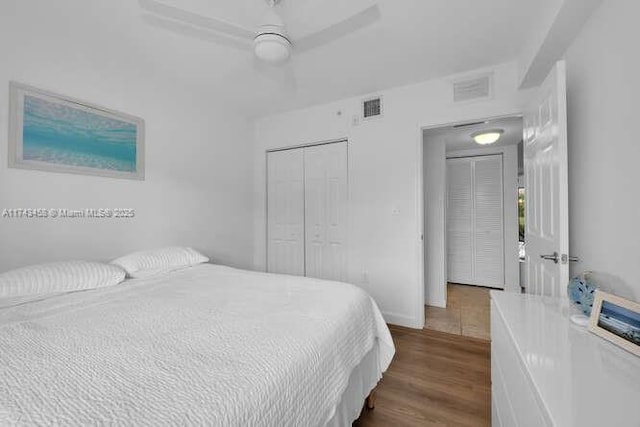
59	134
620	321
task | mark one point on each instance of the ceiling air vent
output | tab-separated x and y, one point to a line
372	108
468	89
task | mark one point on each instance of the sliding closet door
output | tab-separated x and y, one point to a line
285	212
489	222
475	221
326	198
460	221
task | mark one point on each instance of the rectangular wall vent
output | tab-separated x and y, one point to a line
372	108
479	87
466	125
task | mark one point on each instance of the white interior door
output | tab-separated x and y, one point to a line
475	221
546	187
326	198
285	212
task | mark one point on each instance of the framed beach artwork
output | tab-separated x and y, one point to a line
55	133
617	320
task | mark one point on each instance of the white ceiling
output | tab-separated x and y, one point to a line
459	138
413	41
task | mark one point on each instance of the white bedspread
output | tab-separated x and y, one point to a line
208	345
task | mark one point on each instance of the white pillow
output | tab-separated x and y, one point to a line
59	277
159	261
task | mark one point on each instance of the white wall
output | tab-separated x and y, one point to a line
435	237
548	13
385	179
198	158
558	23
604	148
510	197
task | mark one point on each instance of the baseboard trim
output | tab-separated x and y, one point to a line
436	303
402	320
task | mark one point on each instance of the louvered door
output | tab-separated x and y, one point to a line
475	221
488	261
459	221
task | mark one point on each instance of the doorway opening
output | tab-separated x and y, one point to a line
472	216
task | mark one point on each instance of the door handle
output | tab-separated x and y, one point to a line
555	257
568	258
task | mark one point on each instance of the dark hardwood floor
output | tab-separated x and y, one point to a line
435	379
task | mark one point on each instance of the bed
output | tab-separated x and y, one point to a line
205	345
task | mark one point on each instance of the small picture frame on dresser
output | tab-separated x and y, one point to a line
617	320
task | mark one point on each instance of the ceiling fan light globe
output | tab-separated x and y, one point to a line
487	137
272	48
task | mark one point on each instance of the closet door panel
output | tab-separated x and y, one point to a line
315	214
285	212
489	221
459	221
326	198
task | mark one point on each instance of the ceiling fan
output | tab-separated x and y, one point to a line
270	42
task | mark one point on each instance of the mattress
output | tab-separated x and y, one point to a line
206	345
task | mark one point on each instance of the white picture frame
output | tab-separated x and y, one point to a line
55	133
617	320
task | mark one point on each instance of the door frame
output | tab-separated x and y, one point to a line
309	144
266	191
420	304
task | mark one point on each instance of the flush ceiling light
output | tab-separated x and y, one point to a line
487	137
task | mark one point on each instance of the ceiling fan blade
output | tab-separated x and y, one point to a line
354	23
205	22
188	30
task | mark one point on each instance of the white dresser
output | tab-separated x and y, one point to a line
545	371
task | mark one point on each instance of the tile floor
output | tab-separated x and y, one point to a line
467	312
